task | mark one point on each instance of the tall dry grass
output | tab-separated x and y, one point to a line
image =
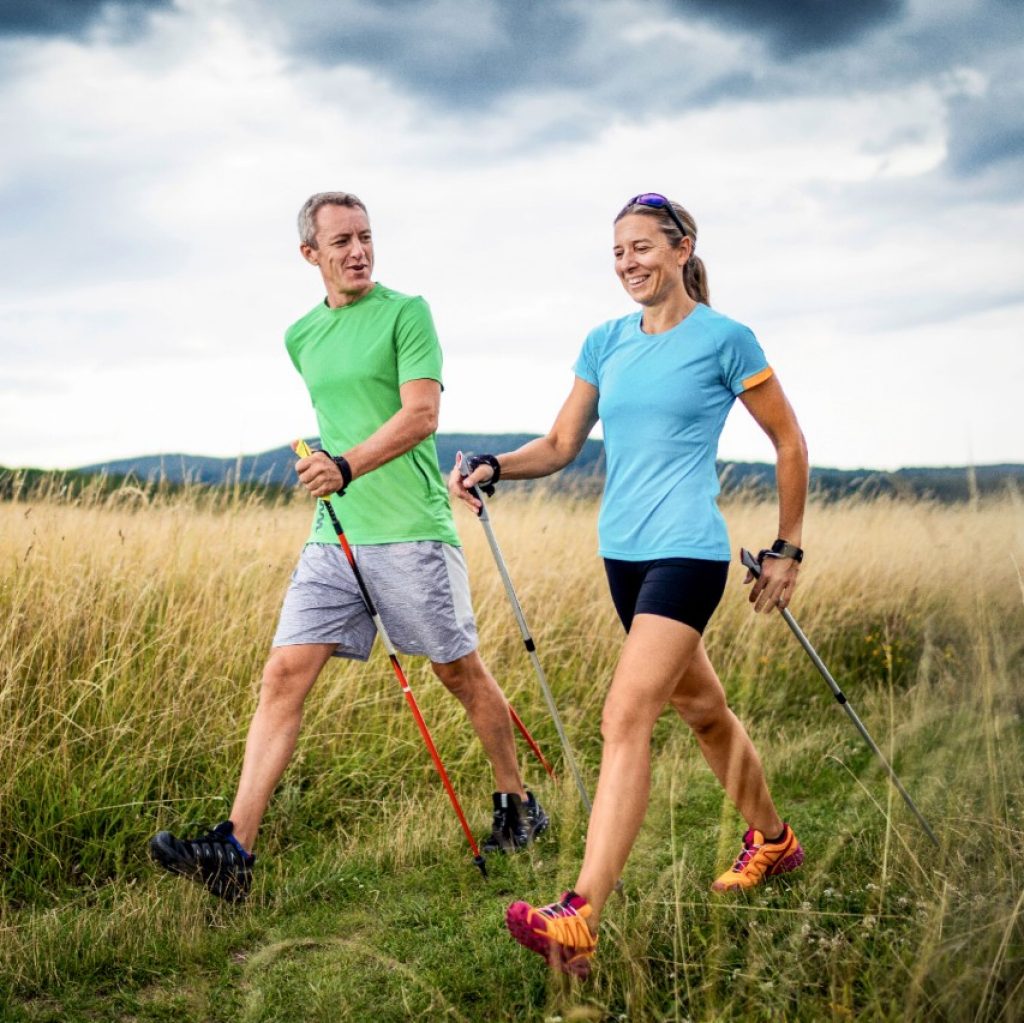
133	627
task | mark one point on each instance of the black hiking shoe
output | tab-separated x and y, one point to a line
516	824
214	859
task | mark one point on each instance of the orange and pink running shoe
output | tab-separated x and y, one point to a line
760	859
558	932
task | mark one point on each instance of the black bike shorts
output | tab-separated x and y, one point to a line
686	590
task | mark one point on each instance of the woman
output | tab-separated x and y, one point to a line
662	380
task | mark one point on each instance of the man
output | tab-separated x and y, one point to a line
372	363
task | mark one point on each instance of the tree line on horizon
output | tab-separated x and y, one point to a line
272	472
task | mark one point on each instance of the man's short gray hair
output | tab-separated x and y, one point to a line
307	215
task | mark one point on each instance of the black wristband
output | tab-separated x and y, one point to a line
783	549
475	461
344	468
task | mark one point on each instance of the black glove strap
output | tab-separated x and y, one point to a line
475	461
782	549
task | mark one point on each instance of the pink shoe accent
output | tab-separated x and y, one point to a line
790	862
558	932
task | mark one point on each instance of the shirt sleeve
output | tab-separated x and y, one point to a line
417	348
742	360
291	347
586	362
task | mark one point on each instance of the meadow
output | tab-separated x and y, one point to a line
133	626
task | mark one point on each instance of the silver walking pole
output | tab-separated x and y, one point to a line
531	648
751	563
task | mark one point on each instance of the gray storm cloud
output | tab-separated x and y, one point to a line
799	26
648	59
73	17
637	58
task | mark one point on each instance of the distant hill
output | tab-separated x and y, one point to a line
277	466
943	483
275	469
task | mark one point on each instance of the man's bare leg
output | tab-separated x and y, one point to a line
475	688
288	676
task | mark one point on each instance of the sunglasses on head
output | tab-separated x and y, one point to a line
657	202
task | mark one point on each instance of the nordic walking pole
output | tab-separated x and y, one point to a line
302	449
752	565
531	649
530	741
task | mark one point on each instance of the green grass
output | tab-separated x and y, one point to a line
130	660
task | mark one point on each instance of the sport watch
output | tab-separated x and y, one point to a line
345	469
785	549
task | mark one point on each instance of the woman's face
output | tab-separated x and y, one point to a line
649	268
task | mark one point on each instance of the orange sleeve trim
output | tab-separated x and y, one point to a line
758	378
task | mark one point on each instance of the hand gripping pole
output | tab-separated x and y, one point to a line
750	562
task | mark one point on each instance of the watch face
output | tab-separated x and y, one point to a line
785	549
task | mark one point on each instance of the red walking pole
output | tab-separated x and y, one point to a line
530	741
302	449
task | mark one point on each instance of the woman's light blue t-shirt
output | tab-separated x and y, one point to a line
663	402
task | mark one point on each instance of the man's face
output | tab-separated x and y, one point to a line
344	252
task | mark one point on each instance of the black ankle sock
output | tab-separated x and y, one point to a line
778	838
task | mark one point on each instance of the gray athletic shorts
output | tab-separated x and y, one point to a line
421	589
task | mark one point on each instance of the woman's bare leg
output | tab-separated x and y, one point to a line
654	660
699	699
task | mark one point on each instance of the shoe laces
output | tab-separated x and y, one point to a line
221	842
563	907
750	849
509	821
506	821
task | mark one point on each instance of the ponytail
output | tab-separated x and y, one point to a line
695	280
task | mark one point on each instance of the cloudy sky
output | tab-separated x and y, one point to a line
856	171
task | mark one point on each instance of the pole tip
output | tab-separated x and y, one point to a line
480	862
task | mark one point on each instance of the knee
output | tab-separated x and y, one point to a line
285	681
705	714
622	724
456	676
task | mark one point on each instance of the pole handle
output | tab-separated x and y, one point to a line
301	448
750	563
462	462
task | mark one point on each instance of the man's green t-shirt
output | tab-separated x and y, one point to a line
353	361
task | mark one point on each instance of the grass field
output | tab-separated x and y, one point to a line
133	627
